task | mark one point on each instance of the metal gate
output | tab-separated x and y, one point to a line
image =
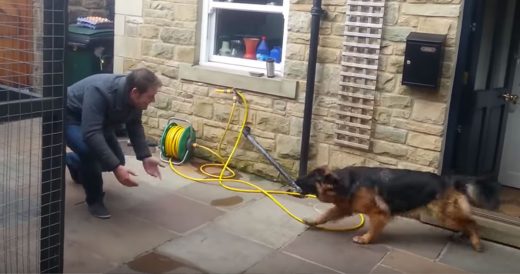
32	190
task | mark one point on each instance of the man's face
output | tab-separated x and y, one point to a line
142	100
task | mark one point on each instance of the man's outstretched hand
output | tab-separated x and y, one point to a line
123	176
151	166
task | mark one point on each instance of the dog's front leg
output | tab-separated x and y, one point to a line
377	223
331	214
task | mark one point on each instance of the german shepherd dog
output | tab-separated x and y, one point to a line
381	193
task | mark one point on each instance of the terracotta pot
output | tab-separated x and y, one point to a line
250	45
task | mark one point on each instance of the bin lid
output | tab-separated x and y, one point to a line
78	29
87	36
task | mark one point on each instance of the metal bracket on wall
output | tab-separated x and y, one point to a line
360	60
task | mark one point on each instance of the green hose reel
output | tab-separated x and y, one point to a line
184	142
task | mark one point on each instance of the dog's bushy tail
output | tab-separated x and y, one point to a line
481	191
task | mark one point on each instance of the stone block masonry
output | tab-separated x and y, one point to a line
408	122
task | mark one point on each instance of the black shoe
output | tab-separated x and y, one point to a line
98	209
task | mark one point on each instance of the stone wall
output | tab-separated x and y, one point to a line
409	122
80	8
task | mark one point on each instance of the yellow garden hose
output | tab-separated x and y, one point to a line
172	138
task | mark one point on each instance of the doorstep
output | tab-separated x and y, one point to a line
491	227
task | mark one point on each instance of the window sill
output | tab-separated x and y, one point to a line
239	79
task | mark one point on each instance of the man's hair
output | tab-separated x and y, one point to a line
142	79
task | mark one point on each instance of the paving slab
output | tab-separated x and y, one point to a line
120	197
155	263
81	258
401	233
495	258
336	250
381	269
177	226
117	196
406	262
265	222
283	263
170	180
125	269
214	195
415	237
118	239
215	251
176	213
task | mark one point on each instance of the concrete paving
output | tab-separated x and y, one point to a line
179	226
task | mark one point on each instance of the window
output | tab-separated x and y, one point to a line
233	30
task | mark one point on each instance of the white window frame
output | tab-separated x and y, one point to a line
207	45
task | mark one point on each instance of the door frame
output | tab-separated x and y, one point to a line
465	69
512	61
493	226
460	80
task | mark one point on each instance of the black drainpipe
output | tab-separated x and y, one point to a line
316	13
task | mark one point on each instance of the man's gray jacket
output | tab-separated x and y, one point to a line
98	104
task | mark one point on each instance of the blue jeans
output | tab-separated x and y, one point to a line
84	163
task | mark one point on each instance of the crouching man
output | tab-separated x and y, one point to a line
96	106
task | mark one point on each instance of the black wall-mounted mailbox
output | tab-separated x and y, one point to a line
423	59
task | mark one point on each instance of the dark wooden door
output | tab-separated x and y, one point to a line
486	90
16	42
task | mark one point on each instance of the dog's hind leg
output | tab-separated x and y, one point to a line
333	213
469	227
454	211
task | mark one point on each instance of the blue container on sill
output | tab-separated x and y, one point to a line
276	54
262	51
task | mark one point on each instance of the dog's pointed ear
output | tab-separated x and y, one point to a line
322	171
331	178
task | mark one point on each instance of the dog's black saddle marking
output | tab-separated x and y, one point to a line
402	190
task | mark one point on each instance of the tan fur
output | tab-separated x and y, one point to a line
454	211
